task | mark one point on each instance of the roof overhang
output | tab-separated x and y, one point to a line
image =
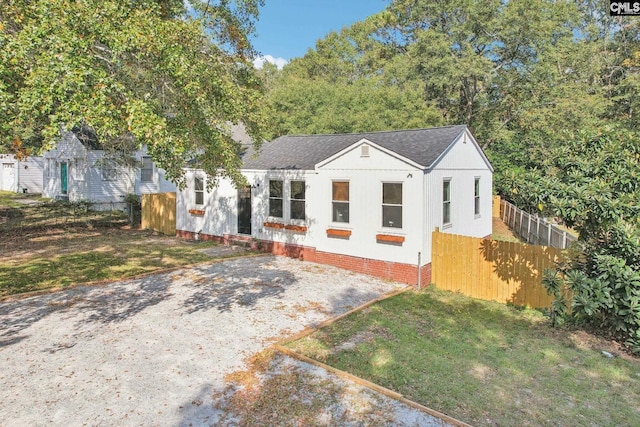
465	137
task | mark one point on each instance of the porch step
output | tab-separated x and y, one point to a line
244	242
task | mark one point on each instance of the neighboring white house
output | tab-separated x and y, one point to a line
21	175
77	171
367	202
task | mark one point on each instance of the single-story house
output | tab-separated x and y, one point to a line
367	202
77	170
21	175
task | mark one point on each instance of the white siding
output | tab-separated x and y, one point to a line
462	163
366	175
365	179
26	173
365	172
158	184
85	179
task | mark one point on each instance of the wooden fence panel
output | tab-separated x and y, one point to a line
507	272
159	212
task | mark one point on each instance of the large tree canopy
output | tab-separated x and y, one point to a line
170	74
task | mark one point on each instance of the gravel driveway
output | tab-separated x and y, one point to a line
153	351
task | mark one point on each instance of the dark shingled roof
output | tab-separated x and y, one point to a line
422	146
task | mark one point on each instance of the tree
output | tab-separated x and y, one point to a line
152	72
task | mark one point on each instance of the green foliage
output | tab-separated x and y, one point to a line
592	183
148	71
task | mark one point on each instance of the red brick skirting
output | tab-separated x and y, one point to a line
400	272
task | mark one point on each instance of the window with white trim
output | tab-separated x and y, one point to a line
446	201
392	204
146	170
297	200
276	198
109	171
198	187
476	196
340	201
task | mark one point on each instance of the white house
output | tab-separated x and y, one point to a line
21	175
76	170
366	202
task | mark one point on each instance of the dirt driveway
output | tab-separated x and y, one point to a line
154	351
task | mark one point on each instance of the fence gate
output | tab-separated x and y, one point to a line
159	212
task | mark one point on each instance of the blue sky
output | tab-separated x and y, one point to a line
288	28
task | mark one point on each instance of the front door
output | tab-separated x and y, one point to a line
8	177
244	210
63	178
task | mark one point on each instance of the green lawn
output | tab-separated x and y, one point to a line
53	245
104	255
481	362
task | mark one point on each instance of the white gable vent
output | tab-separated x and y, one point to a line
364	150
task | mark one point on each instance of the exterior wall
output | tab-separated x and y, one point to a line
462	163
85	179
400	272
27	174
70	151
360	247
158	184
366	174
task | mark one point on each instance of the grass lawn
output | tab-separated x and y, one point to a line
481	362
42	251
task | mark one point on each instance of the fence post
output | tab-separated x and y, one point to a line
564	240
549	234
529	228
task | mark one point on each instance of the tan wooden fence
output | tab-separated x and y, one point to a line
159	212
507	272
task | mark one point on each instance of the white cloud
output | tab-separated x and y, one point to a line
259	61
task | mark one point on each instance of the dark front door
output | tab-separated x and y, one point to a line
244	210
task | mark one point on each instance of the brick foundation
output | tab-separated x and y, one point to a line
399	272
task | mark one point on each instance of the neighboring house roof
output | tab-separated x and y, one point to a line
423	146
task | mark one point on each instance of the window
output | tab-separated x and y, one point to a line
391	205
296	196
275	198
109	171
340	201
446	201
146	172
476	197
198	185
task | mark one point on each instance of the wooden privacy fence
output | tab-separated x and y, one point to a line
159	212
507	272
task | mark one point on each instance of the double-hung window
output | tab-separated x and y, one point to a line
340	201
198	186
109	171
446	201
275	198
297	199
146	171
392	204
476	196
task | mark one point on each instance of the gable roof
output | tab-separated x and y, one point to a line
423	146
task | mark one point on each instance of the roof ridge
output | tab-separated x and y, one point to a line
372	132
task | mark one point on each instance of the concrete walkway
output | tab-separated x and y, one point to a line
154	351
